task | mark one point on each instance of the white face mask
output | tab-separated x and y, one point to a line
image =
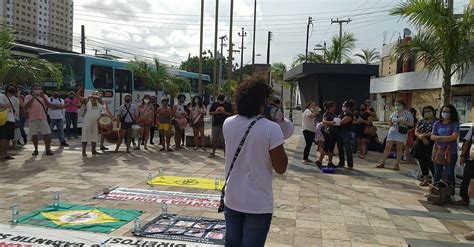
146	101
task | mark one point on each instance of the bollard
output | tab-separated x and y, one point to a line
216	183
56	199
150	176
15	213
161	171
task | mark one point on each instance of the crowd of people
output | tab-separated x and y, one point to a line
133	125
432	140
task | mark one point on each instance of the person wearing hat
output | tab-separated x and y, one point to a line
127	115
72	105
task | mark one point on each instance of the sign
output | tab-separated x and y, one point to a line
80	217
189	182
169	197
26	236
185	228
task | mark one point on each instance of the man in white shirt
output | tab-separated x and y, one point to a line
55	112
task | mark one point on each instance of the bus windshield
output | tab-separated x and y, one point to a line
72	68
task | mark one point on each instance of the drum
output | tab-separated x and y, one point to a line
135	129
112	136
105	124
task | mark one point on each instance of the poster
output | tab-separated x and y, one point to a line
189	182
168	197
185	228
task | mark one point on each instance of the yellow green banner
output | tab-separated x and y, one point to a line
189	182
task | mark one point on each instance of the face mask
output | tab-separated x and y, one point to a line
344	109
37	92
445	115
128	100
71	96
146	101
12	91
55	96
428	114
398	108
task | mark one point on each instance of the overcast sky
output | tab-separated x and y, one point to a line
169	29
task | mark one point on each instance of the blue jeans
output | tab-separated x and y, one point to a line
446	170
60	126
244	230
344	145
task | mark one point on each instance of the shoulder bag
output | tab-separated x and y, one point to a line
45	111
242	142
441	155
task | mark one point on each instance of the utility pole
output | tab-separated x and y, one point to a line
83	40
270	36
254	30
231	48
214	75
221	58
243	35
200	48
340	22
310	22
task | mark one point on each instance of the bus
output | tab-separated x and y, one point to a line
112	77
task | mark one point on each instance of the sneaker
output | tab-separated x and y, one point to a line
64	144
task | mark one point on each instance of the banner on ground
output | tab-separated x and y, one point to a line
26	236
169	197
80	217
185	228
190	182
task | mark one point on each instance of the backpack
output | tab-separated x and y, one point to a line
440	193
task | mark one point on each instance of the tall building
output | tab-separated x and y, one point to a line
43	22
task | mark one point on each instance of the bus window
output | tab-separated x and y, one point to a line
123	81
102	77
194	85
72	69
140	84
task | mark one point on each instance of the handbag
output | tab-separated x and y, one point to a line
441	155
4	116
220	209
370	130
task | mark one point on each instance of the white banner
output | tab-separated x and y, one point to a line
26	236
169	197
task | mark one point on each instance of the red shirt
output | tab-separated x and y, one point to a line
71	105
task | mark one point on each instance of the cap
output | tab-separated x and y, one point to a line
127	94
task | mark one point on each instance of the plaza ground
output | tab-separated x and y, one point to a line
364	207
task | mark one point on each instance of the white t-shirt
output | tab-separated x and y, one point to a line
249	188
56	113
12	115
308	123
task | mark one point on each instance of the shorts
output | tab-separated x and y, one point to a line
217	134
126	126
39	126
7	131
164	127
330	140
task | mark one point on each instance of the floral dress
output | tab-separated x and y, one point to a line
145	115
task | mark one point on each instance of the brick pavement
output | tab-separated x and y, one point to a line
364	207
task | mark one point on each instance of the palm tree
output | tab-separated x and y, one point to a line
368	56
339	48
443	42
30	70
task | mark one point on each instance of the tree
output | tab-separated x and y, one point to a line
443	42
278	72
25	70
368	56
158	77
331	54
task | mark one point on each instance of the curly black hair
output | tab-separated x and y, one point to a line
453	113
251	96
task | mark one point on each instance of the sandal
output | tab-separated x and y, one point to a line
49	153
381	165
163	149
424	184
9	157
84	154
35	153
396	167
319	164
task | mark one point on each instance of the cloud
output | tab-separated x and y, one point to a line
154	41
